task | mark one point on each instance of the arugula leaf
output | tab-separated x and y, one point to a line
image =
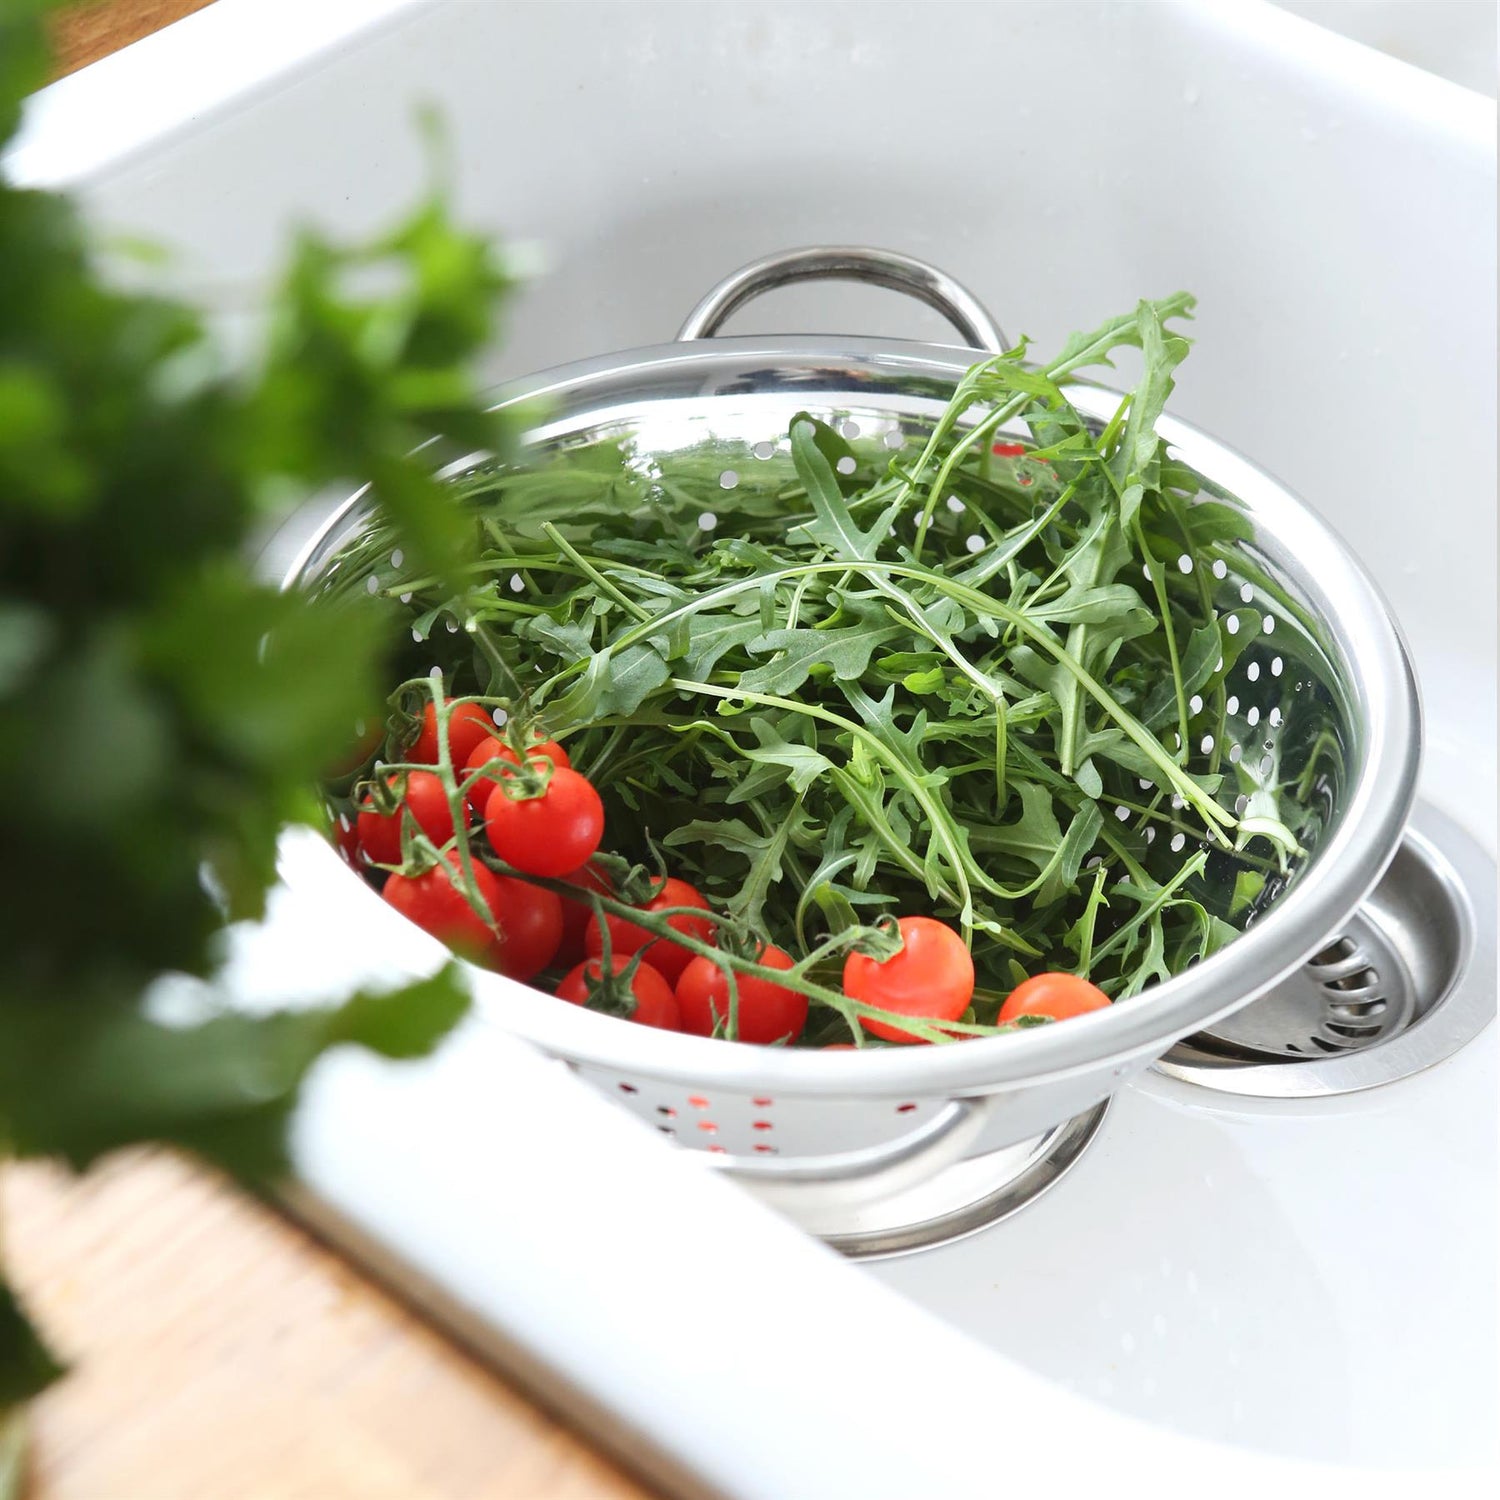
845	653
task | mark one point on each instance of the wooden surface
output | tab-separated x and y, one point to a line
220	1354
84	33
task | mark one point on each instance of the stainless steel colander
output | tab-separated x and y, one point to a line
887	1149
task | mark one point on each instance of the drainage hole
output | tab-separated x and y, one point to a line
1340	948
1326	1045
1360	979
1359	1010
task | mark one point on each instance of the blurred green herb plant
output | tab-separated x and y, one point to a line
163	714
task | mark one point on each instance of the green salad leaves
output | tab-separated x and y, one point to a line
973	668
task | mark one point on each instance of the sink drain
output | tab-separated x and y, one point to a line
1408	982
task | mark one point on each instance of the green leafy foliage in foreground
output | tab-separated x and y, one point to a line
163	713
976	680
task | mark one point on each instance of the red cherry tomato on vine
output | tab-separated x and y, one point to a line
1059	996
767	1012
346	841
468	723
932	977
530	928
439	907
551	834
380	833
655	1004
362	746
491	747
668	958
527	919
576	914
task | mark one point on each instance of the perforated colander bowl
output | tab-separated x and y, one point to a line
1322	672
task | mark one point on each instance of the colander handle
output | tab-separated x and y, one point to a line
901	273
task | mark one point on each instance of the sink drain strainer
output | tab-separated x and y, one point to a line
1408	982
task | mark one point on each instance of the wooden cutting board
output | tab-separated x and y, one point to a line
221	1354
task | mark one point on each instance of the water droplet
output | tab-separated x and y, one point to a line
707	521
974	543
955	505
517	583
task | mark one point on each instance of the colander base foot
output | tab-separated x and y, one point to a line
964	1198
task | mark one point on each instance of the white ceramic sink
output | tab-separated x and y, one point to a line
1306	1282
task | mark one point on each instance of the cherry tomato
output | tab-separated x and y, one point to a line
346	841
551	834
468	723
530	928
1059	996
767	1012
576	914
380	833
932	977
491	747
665	956
528	920
655	1004
436	905
362	747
